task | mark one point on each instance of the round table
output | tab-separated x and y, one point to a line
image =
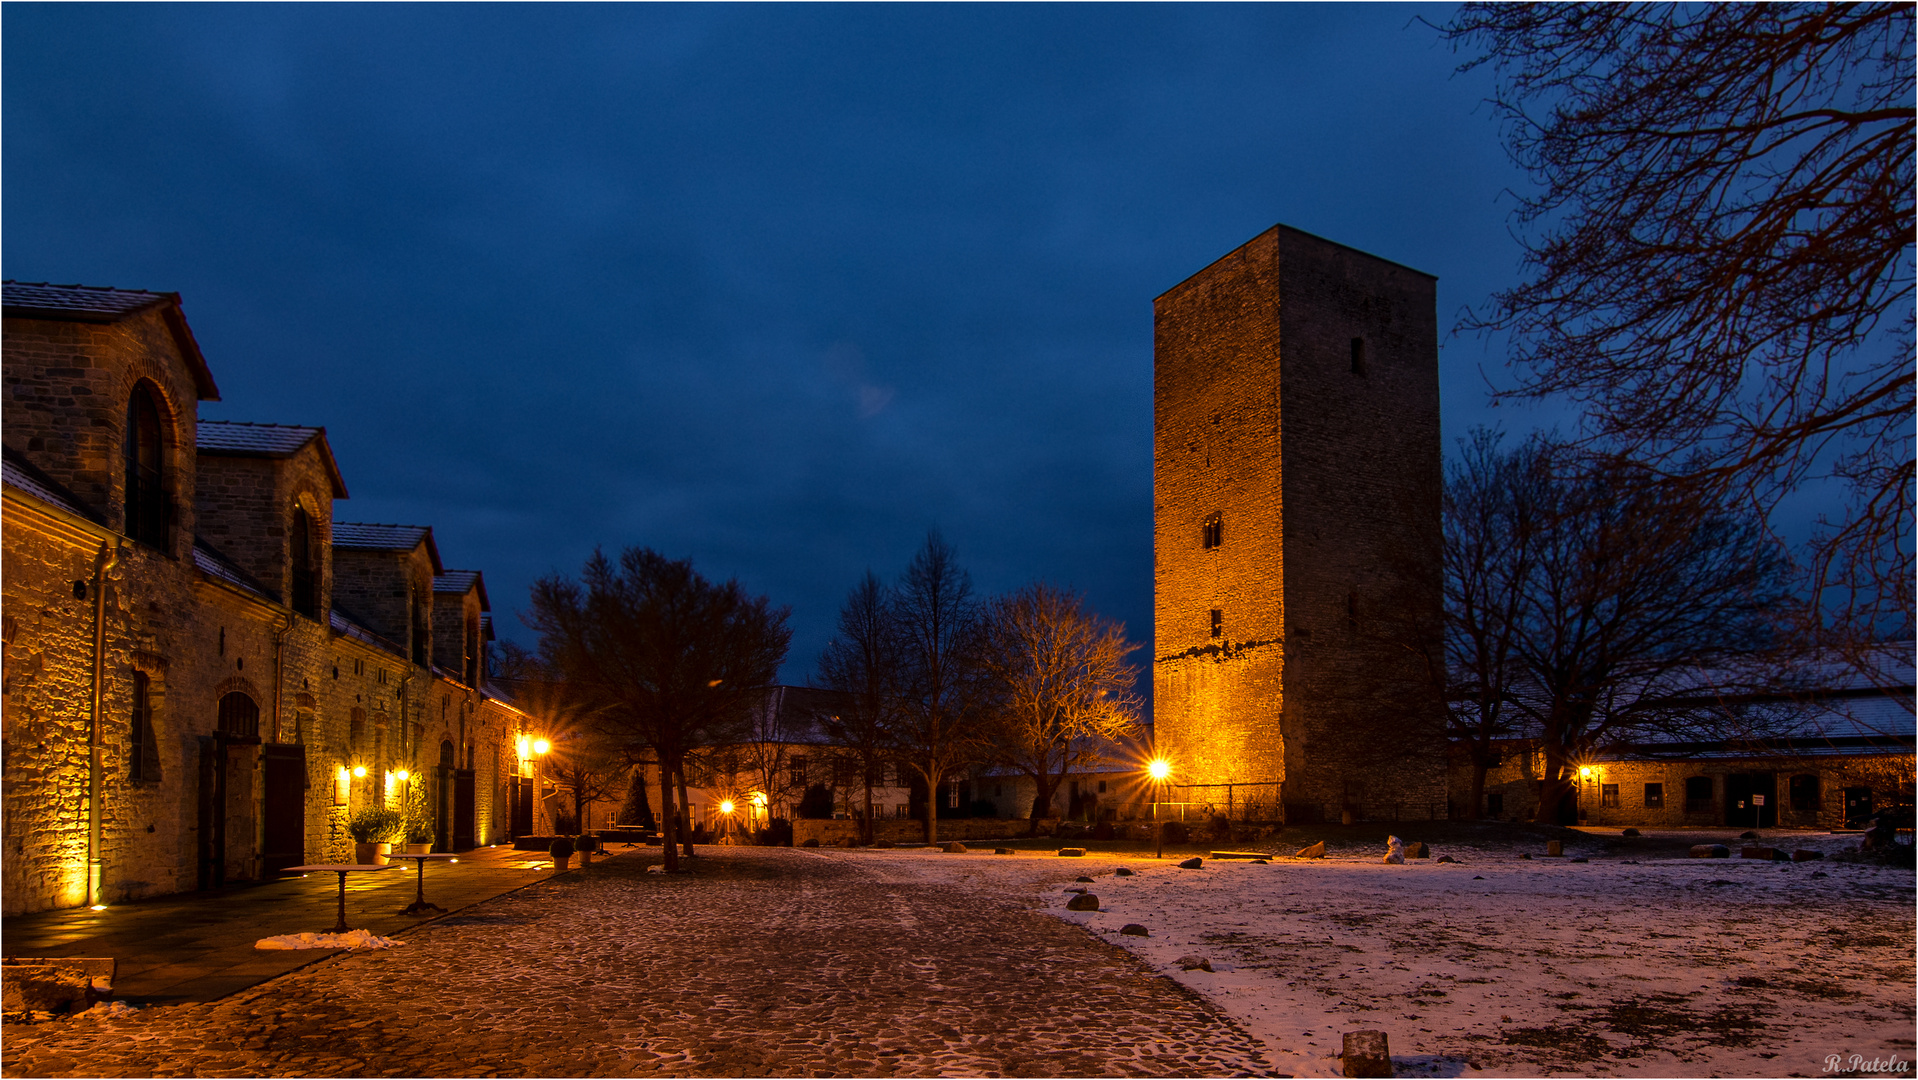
341	869
419	906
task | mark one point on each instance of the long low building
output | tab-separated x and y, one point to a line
206	674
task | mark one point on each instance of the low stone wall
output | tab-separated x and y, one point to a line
837	833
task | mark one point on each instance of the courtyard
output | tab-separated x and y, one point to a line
793	962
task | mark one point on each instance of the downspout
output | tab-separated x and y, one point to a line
104	562
279	676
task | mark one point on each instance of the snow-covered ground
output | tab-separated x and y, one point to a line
1500	966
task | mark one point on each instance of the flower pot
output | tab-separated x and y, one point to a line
371	854
419	849
562	862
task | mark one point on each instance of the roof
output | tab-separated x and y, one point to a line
219	567
348	625
21	474
236	438
367	536
486	627
101	304
462	581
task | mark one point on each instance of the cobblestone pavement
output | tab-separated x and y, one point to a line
758	962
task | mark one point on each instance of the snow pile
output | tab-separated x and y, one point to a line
352	939
108	1010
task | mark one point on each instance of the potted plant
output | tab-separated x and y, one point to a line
562	852
419	836
373	830
586	846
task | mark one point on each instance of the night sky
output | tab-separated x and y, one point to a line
775	288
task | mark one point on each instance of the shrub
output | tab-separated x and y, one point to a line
816	804
586	843
562	848
375	825
1175	832
777	833
419	830
565	825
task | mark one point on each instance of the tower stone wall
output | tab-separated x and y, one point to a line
1296	462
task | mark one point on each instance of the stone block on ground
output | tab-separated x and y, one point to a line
1122	872
1366	1054
1806	855
1554	847
1193	863
1072	852
1083	902
1239	855
1417	850
1445	859
1194	963
1003	851
1316	851
1083	878
1754	851
1711	851
1133	929
954	847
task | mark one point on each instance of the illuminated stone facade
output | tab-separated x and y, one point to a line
235	694
1296	473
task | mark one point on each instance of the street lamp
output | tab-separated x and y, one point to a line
1159	769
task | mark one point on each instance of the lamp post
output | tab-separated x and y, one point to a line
1158	770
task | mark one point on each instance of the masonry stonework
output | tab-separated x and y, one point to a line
1296	472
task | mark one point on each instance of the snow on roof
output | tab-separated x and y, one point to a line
23	475
217	566
369	536
237	438
102	304
348	625
460	582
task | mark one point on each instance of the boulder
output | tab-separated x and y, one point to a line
1394	850
810	841
1554	848
1193	863
1417	850
1072	852
1752	851
1133	929
1526	856
954	847
1445	858
1083	878
1819	874
1580	858
1122	872
1316	851
1193	963
1711	851
1366	1054
1629	832
1748	835
1083	902
1806	855
1003	851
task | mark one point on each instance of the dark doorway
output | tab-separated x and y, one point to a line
284	779
1743	795
522	802
1858	807
464	814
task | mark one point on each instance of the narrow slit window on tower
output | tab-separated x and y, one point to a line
1358	356
1214	532
1218	623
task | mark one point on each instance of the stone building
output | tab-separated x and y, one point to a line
205	673
1296	540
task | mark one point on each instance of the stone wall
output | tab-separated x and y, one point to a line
838	831
1296	535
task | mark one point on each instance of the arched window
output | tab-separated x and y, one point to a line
306	595
143	752
146	498
239	716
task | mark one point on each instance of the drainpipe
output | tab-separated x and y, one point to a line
103	563
279	675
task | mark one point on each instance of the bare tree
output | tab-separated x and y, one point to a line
661	657
1633	592
937	730
862	667
1060	684
1719	255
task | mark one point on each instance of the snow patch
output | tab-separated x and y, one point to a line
352	939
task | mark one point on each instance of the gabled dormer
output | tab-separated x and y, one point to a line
101	386
383	578
265	495
459	608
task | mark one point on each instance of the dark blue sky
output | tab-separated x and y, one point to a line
776	288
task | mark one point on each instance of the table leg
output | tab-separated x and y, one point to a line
419	906
341	928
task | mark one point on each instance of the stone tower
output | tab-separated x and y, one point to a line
1296	543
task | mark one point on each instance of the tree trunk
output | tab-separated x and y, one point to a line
932	809
687	804
1551	788
668	816
1479	769
1041	802
867	830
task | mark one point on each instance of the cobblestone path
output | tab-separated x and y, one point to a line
759	962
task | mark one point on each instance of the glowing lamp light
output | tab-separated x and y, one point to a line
540	746
759	798
525	747
726	806
98	907
359	771
1585	770
402	776
1160	768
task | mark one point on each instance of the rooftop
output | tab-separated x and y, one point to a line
236	438
369	536
102	304
21	474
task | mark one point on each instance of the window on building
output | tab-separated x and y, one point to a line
143	752
239	716
146	497
798	770
1214	532
305	598
1804	794
1655	796
901	811
1608	795
1218	622
1102	787
1358	356
1698	793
